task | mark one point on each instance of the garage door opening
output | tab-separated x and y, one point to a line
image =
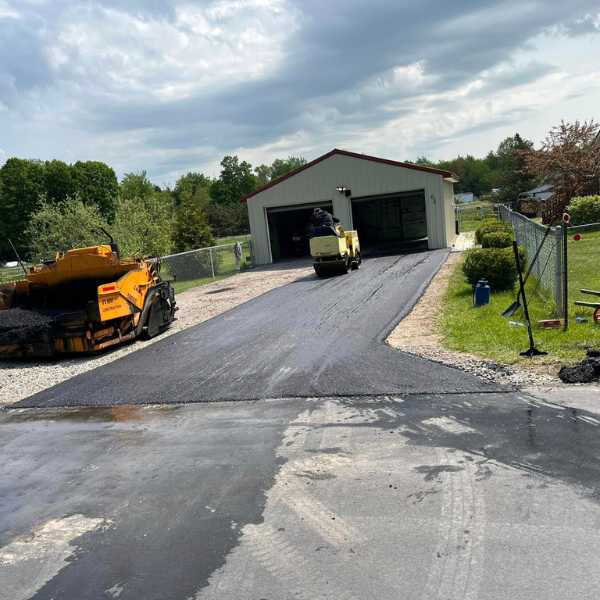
391	222
288	230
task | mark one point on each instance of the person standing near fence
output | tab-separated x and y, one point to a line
237	251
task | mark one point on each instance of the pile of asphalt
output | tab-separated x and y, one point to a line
18	326
586	371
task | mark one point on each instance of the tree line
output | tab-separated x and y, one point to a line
51	205
504	170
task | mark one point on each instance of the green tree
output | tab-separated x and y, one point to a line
143	225
514	177
278	168
263	174
58	181
21	188
191	229
189	184
282	166
136	185
64	225
228	219
96	184
473	173
235	181
423	160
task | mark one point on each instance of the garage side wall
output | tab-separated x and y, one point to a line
363	177
449	216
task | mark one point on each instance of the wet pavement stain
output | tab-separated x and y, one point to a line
512	430
152	484
109	414
434	471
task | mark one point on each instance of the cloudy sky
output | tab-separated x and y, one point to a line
171	86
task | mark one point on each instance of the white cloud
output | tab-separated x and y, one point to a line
169	85
204	49
7	11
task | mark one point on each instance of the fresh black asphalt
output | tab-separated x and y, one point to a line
314	337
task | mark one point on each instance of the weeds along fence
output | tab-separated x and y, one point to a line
206	263
549	269
191	266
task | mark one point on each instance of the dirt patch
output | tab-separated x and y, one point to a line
20	379
419	334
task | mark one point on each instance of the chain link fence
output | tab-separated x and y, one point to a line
11	274
207	263
468	218
548	270
193	266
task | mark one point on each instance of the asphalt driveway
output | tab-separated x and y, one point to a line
314	337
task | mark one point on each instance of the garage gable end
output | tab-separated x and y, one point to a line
342	180
337	152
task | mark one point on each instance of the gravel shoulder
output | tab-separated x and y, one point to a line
418	334
20	379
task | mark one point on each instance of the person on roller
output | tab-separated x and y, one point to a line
323	223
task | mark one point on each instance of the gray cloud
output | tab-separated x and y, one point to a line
339	66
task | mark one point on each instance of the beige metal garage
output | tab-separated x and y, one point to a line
388	202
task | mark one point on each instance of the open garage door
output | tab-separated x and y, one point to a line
288	229
391	221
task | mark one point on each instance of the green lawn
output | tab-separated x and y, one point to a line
584	270
232	239
196	269
473	214
485	332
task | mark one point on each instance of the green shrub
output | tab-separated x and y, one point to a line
585	209
64	225
497	239
497	265
142	227
489	226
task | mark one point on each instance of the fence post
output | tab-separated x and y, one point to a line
558	271
565	274
212	264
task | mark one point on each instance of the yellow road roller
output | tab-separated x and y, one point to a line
335	254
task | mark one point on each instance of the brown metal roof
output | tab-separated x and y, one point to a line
384	161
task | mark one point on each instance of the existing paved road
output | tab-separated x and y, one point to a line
314	337
436	488
453	497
